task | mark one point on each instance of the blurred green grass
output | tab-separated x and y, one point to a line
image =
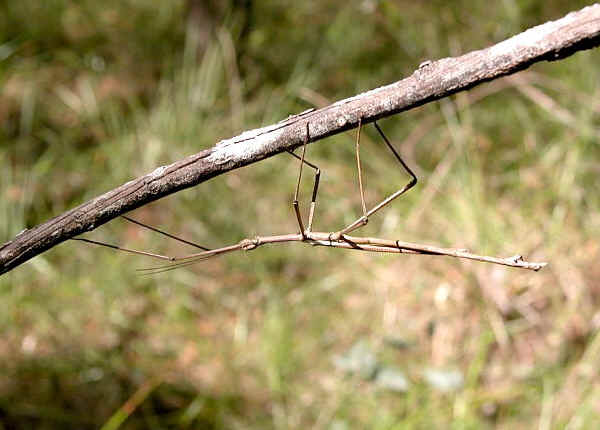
96	93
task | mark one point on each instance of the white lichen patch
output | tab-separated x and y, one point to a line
317	129
247	135
244	147
534	36
157	172
341	121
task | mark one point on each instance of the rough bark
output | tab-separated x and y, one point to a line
551	41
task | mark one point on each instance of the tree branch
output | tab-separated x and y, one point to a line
551	41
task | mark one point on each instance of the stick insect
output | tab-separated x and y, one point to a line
336	239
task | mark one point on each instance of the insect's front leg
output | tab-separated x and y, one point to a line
313	202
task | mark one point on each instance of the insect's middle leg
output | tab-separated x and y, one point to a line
313	202
364	219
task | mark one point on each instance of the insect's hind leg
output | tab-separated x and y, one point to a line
364	219
313	202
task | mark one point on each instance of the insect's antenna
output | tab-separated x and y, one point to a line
168	267
191	259
164	233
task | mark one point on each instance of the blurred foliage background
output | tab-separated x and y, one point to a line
93	94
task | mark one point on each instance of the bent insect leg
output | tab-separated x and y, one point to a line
313	202
178	261
364	219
